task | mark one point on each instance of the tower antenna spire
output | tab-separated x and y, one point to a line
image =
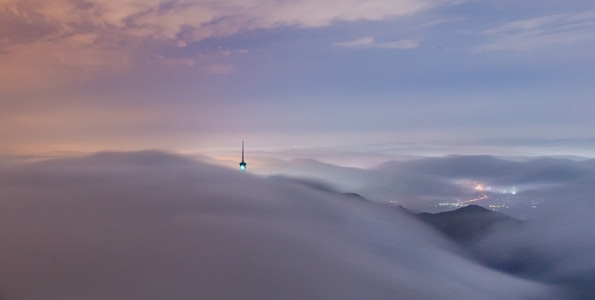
243	163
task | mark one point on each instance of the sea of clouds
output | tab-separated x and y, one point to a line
153	225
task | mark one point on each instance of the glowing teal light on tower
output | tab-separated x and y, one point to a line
243	163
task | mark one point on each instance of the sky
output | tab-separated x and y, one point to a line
195	76
404	102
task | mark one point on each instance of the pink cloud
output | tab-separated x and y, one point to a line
369	42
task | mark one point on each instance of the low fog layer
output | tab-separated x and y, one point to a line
150	225
523	189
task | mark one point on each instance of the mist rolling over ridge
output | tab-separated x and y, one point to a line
523	188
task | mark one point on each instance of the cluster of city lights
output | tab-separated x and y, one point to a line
494	198
480	187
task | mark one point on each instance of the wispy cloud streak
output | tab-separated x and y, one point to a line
369	42
72	37
569	29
